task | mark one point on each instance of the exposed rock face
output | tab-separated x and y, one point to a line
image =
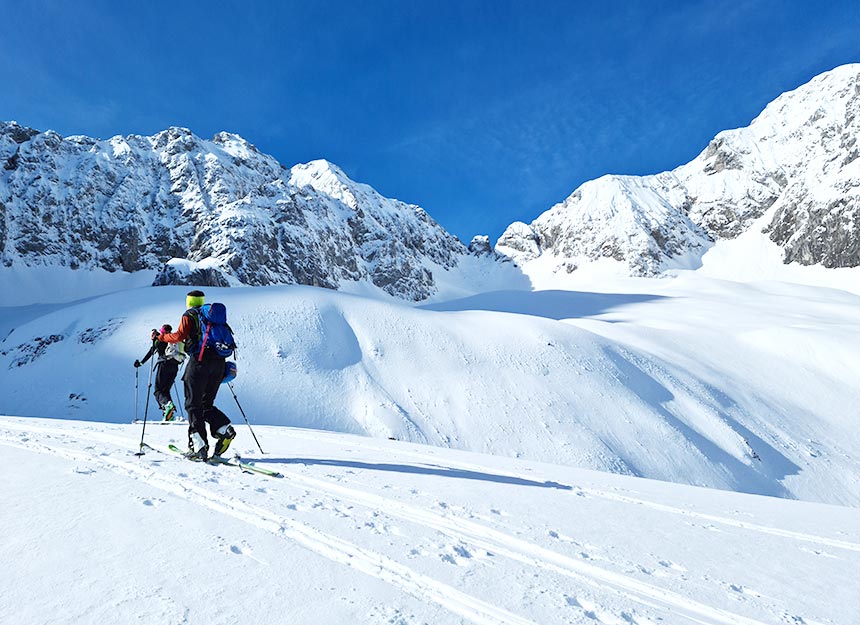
520	242
815	232
794	173
181	273
134	203
480	246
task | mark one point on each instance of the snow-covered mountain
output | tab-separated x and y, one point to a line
792	175
221	213
213	212
481	510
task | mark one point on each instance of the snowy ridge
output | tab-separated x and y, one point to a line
227	213
621	217
425	535
220	213
799	157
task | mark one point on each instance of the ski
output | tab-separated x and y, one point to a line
184	454
247	466
216	460
163	422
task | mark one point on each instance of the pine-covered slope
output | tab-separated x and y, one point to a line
213	212
794	174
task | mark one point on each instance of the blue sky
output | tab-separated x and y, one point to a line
483	112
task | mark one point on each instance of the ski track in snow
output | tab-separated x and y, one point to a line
401	576
830	542
326	545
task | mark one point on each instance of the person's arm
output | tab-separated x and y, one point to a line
182	332
137	363
148	354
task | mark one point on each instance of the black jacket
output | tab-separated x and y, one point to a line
157	346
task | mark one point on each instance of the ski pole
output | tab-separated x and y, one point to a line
230	385
146	410
136	377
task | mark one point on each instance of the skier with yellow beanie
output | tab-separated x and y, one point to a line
208	341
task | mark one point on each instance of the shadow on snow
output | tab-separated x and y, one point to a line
418	470
549	304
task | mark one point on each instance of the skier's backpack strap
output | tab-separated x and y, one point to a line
203	342
192	341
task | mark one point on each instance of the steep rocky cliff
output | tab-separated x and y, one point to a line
202	212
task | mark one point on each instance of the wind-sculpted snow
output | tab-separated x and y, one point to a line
793	174
134	203
699	382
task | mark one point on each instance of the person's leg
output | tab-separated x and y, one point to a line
195	390
164	379
221	430
219	424
161	394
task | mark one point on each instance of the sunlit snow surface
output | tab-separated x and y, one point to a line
689	379
733	371
363	530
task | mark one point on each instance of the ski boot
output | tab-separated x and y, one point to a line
198	448
225	434
169	411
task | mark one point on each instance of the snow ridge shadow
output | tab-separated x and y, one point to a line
556	305
658	396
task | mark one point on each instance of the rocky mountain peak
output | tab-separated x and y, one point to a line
16	133
213	212
795	166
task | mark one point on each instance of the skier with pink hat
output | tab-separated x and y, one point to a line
167	366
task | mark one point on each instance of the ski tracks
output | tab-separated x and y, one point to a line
464	530
722	520
331	547
530	554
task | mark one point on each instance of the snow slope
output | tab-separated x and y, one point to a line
741	387
375	532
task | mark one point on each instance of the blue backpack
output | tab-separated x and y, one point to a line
214	333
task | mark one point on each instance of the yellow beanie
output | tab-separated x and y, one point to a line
194	299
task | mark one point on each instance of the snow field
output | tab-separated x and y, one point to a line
370	531
738	386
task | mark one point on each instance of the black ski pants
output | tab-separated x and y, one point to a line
202	380
165	375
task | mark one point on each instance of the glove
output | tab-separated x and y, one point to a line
136	364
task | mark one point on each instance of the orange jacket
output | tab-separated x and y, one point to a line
186	326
